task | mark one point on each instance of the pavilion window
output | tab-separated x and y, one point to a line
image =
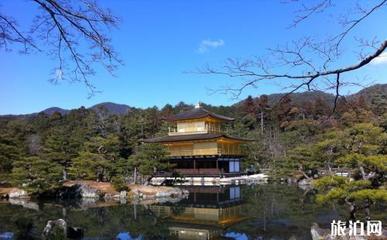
235	192
234	166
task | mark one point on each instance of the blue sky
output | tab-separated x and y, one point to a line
160	41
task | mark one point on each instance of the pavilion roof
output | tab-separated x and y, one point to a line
199	112
191	137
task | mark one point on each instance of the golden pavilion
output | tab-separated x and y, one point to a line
198	147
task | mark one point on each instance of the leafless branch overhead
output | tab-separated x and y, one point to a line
74	32
306	62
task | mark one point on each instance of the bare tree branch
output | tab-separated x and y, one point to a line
307	11
304	63
337	95
9	29
353	23
80	25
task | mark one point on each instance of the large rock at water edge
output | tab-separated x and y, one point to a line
17	193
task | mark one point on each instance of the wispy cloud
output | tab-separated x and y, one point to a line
382	59
206	45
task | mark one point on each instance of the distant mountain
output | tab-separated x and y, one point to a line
52	110
112	108
297	98
302	98
109	107
371	93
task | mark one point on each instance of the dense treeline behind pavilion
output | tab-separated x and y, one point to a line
295	136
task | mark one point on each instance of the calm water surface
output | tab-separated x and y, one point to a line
246	212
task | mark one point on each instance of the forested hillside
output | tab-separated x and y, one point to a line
295	134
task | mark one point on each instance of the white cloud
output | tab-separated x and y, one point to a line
382	59
206	45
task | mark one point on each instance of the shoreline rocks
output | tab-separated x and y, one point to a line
90	192
68	231
24	202
93	191
157	194
86	191
13	193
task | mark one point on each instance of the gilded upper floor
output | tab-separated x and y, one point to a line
196	121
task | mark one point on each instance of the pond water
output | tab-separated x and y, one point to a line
237	212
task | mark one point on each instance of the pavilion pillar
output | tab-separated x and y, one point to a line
194	163
217	164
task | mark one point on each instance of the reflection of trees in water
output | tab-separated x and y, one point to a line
278	211
177	210
282	211
25	228
101	215
149	212
134	219
25	223
96	222
286	210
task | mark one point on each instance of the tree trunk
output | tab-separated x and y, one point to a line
262	122
329	169
367	212
301	169
135	175
363	174
135	211
352	210
64	174
148	180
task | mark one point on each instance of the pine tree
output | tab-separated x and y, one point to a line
148	159
9	153
362	149
98	159
61	147
37	175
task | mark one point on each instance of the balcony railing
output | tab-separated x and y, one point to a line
199	152
174	133
198	172
190	172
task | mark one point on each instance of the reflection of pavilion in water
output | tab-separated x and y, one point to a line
205	214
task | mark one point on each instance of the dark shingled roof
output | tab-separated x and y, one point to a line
190	137
199	112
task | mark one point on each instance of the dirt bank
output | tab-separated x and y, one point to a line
103	187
